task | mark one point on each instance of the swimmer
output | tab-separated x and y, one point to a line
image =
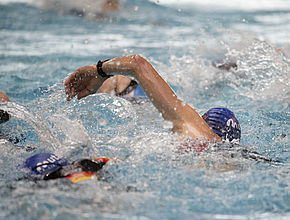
49	166
46	166
218	124
90	9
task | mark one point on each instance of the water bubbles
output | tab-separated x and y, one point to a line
259	68
167	125
35	121
117	103
152	176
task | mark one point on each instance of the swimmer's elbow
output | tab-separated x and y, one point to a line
138	59
198	133
139	62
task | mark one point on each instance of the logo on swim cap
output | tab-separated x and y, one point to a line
44	163
224	123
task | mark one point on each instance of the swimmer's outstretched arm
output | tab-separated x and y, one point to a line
184	118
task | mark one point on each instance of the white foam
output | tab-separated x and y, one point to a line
246	5
12	1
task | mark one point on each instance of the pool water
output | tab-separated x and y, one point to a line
150	178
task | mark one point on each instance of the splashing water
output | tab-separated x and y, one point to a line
39	126
263	71
152	178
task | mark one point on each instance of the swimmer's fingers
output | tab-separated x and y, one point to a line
68	81
84	93
89	87
77	76
70	85
82	82
70	92
75	83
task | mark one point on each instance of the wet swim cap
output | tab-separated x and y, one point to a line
44	163
4	116
224	123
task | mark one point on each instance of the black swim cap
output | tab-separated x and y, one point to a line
4	116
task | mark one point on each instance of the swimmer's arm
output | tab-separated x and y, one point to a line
184	118
86	81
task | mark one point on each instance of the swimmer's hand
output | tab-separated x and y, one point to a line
83	82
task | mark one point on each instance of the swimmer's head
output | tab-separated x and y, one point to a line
224	123
4	116
44	163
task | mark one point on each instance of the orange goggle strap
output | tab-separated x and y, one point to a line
81	176
103	159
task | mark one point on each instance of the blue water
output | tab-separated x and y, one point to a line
149	179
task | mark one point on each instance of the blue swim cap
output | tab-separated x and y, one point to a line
224	123
44	163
